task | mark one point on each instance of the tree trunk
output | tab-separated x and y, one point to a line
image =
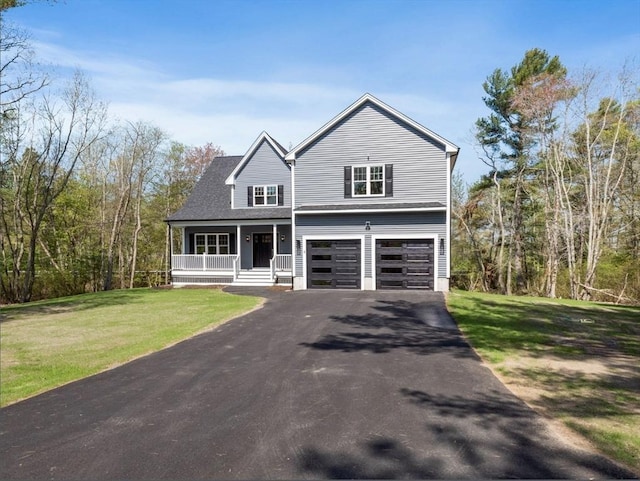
502	230
136	233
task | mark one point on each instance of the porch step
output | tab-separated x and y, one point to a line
254	278
255	274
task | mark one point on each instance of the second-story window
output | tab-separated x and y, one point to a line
368	180
265	195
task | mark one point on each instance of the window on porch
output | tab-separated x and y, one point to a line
216	244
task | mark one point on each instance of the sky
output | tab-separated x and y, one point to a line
224	71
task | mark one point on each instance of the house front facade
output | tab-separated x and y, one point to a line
362	203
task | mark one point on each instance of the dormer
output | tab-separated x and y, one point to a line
262	178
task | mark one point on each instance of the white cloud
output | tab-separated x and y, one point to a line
231	113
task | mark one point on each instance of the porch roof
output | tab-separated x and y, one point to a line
211	198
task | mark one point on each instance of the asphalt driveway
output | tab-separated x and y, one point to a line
335	384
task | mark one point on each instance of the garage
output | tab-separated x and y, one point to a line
334	264
405	264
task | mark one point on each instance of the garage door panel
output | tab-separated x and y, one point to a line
334	264
405	264
346	256
321	263
419	270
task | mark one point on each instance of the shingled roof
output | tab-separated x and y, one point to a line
211	198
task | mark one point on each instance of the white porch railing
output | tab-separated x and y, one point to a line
203	262
282	262
279	263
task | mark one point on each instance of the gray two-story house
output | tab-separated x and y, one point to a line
363	203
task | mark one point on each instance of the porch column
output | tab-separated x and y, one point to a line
275	240
170	242
169	263
238	241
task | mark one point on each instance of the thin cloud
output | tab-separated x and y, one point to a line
88	61
232	112
233	132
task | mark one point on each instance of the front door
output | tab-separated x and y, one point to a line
262	249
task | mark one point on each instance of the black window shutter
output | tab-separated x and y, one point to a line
250	196
388	180
347	181
281	195
232	243
191	248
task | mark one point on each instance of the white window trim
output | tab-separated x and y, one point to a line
206	242
264	187
368	181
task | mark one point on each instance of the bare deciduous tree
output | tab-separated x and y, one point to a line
602	148
42	145
20	76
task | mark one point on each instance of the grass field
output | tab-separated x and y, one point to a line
49	343
577	362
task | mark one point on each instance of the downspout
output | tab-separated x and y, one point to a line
448	221
451	161
293	223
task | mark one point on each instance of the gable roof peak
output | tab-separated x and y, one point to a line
367	97
263	137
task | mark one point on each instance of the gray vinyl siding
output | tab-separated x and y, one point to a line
284	246
265	167
371	136
399	225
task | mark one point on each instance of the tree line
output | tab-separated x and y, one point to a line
558	213
83	198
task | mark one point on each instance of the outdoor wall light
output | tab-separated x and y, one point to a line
282	237
441	246
367	225
247	238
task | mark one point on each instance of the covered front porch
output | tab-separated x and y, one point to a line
249	253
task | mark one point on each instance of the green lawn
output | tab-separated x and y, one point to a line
575	361
48	343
